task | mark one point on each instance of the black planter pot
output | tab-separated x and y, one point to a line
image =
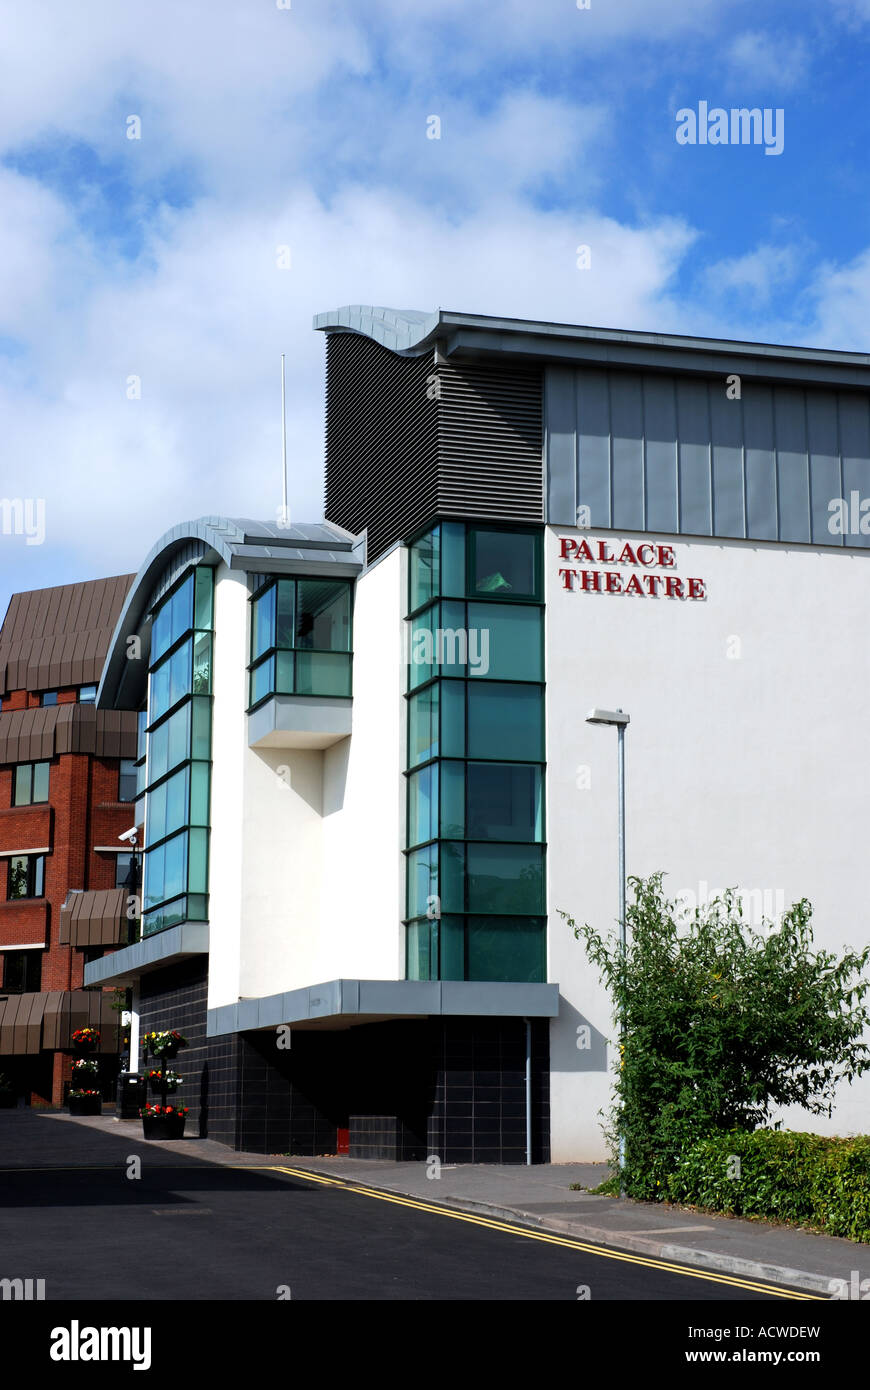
85	1105
8	1100
163	1126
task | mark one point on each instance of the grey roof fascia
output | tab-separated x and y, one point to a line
706	360
352	1001
151	953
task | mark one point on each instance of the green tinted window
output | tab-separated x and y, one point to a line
505	721
505	564
452	559
322	673
263	622
508	641
453	719
323	615
453	800
452	876
422	880
506	949
505	878
423	570
203	596
423	725
504	801
423	805
286	613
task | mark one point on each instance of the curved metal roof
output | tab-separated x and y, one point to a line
410	332
242	544
400	330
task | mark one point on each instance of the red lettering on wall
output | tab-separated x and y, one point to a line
590	581
567	578
584	553
652	554
674	588
613	582
634	585
567	548
652	582
604	554
696	588
666	556
627	556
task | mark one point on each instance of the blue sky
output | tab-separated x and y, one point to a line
306	127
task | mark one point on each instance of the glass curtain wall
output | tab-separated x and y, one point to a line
177	726
301	639
475	768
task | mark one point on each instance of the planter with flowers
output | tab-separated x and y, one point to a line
85	1041
172	1081
163	1121
164	1045
82	1102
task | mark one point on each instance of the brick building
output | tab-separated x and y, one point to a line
66	783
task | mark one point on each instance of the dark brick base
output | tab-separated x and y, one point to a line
405	1089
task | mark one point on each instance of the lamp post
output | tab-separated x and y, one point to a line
618	719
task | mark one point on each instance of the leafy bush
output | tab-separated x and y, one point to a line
781	1176
720	1024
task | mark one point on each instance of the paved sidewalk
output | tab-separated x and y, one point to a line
540	1196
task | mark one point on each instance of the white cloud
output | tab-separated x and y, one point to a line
757	274
767	60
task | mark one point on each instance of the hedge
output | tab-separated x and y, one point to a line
781	1176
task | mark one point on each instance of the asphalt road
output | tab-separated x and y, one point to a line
189	1230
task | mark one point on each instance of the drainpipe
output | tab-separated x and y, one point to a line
528	1024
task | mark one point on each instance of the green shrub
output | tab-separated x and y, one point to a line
778	1176
720	1025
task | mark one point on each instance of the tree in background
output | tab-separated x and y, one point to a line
721	1024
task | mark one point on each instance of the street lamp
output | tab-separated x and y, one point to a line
618	719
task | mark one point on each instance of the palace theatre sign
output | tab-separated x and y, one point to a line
641	569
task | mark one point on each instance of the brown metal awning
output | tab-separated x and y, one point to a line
21	1018
35	735
97	917
79	1008
30	1022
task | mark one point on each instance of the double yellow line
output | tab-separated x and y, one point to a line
547	1237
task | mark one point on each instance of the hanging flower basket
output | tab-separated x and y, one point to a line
165	1044
83	1071
173	1081
163	1123
85	1040
85	1103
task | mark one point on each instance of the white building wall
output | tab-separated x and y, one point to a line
744	767
364	793
307	874
229	746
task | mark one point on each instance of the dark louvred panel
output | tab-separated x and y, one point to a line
396	458
490	442
381	441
